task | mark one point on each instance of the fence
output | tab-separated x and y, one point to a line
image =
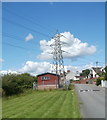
104	83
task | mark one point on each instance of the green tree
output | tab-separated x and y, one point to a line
17	83
98	82
10	85
85	73
106	73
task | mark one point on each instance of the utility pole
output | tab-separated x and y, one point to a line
97	63
97	66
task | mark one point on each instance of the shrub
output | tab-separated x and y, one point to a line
10	85
69	87
71	80
15	84
98	81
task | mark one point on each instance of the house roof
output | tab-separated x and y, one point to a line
46	73
97	69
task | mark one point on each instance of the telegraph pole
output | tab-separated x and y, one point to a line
96	66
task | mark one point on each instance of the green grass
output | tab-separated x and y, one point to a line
42	104
0	108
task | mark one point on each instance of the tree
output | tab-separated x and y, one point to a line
98	82
85	73
106	73
17	83
10	84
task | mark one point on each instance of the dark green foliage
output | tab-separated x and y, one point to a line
15	84
71	80
85	73
98	82
106	73
70	87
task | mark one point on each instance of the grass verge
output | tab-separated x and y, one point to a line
42	104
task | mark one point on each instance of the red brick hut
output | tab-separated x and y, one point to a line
47	80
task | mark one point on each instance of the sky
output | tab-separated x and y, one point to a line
28	29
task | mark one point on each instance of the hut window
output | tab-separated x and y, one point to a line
45	78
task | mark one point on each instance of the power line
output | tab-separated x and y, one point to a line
83	59
32	20
17	24
6	43
34	31
16	37
70	53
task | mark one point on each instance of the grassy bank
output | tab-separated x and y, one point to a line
42	104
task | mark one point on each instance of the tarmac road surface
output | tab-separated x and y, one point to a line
91	100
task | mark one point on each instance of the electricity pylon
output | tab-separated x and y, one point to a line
58	64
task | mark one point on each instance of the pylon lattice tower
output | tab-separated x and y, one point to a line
58	64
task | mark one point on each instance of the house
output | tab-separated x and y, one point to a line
94	71
47	81
79	78
70	75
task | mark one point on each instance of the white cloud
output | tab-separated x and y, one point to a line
29	37
78	68
3	72
1	60
73	45
84	67
36	67
71	68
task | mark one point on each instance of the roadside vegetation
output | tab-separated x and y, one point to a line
102	76
16	83
21	101
42	104
85	73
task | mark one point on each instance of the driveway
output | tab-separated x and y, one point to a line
91	100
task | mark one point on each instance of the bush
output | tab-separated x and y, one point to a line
71	80
15	84
98	81
105	73
69	87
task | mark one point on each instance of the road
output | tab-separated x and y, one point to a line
91	100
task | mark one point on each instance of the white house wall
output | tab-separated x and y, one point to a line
75	78
94	73
70	75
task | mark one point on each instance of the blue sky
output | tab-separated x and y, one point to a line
85	21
